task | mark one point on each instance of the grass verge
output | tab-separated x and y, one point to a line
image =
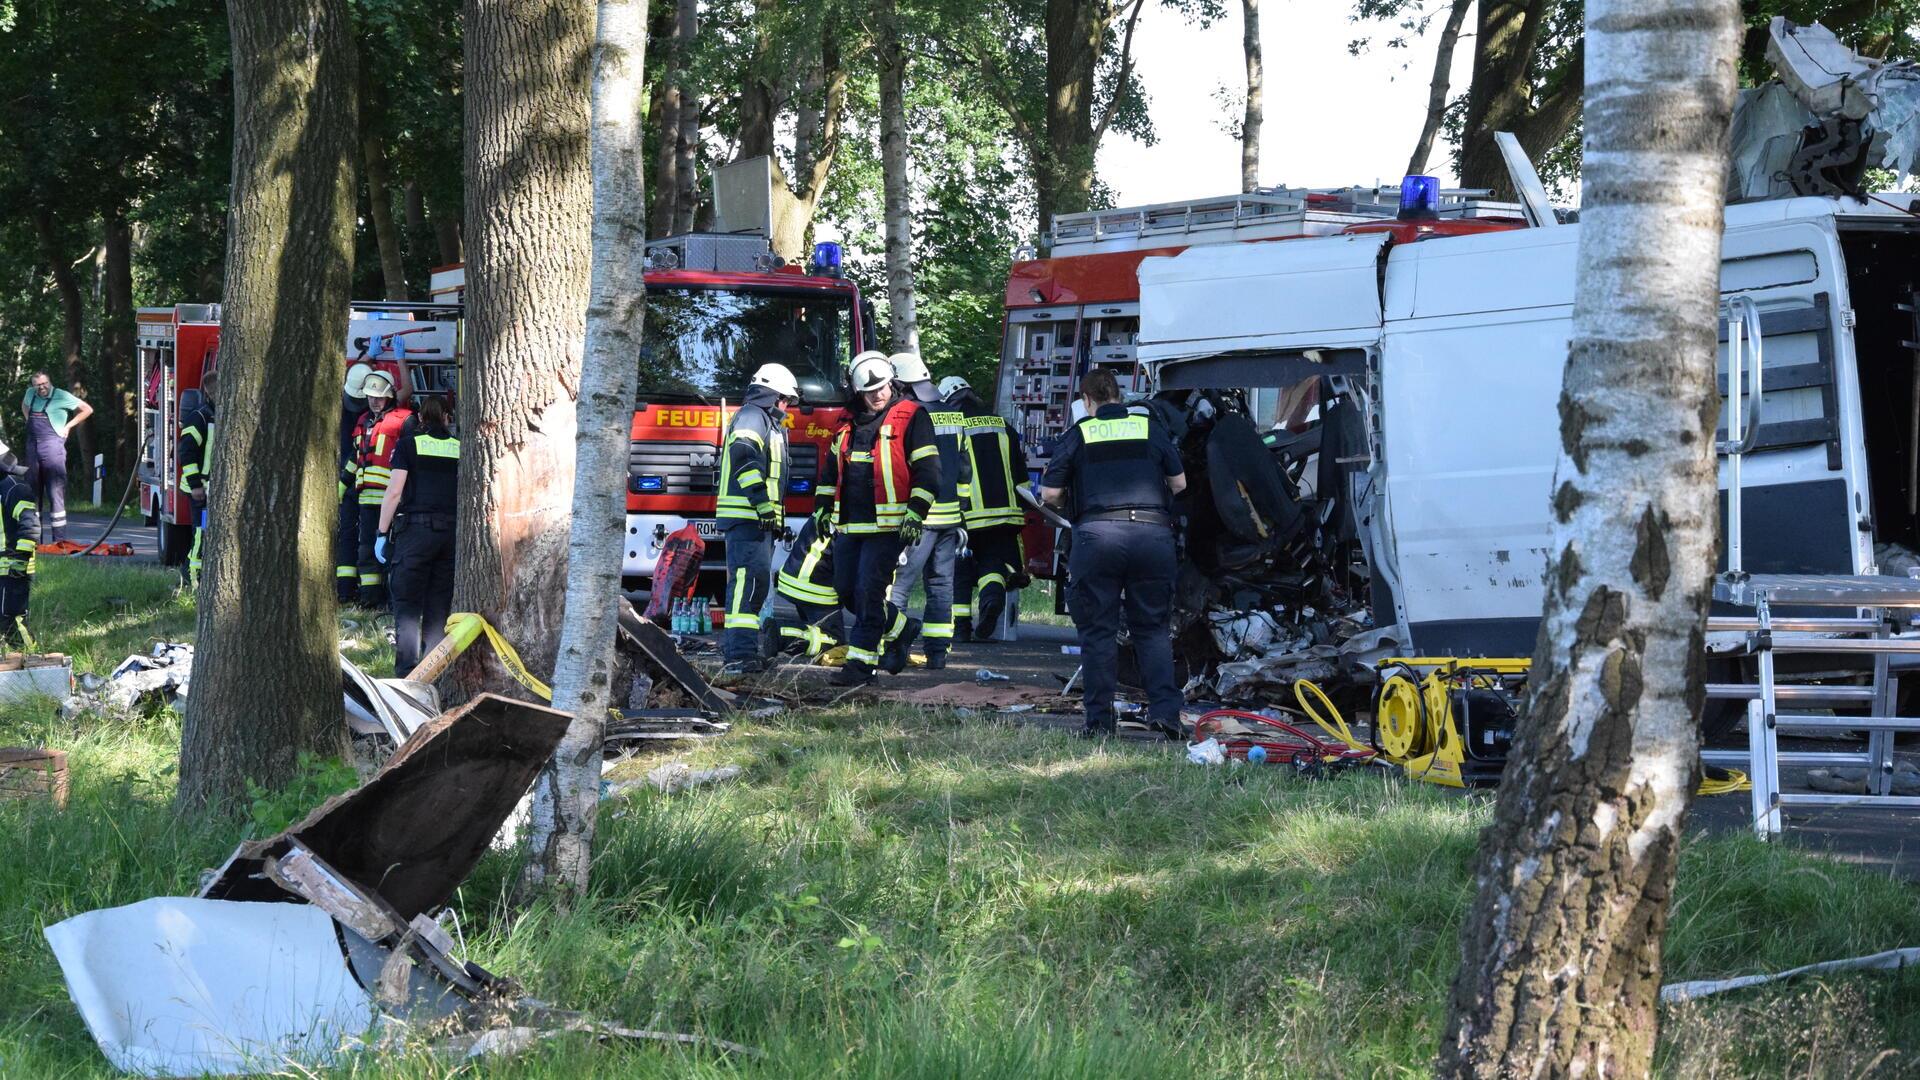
892	893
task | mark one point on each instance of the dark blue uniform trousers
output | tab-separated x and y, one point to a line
749	579
1125	566
863	567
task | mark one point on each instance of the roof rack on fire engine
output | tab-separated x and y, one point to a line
452	309
1268	212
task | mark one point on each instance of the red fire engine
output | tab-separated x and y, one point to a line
177	346
1079	308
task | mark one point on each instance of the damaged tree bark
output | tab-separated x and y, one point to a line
566	798
1560	971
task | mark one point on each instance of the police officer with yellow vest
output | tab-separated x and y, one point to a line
933	558
876	489
416	538
753	486
995	564
1122	472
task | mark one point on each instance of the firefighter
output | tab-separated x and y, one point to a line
416	535
51	415
22	522
753	485
932	558
876	489
195	451
995	564
1122	472
346	536
374	440
806	611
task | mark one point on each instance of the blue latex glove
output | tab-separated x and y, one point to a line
380	550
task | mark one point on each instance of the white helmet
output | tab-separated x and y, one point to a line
870	372
357	379
777	378
909	368
952	385
377	384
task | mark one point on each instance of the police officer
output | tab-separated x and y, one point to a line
753	485
876	489
194	448
375	439
22	529
995	564
416	534
1122	472
932	559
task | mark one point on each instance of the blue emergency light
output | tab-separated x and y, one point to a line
800	486
826	258
1419	197
649	483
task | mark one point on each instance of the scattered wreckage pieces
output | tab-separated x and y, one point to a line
640	726
657	647
161	674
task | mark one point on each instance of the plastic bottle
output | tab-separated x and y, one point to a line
706	616
680	615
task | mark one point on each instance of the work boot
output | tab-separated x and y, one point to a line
963	628
936	659
1172	729
986	612
854	673
894	660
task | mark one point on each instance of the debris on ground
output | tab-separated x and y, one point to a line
159	675
1843	781
323	940
674	777
987	675
25	675
974	695
30	772
657	649
640	726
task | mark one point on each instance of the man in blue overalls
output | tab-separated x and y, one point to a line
50	414
1123	472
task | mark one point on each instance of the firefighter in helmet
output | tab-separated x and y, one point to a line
1122	471
21	516
194	448
930	559
995	565
416	536
876	490
346	536
806	603
753	485
375	439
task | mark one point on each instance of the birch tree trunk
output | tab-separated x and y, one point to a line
566	798
1437	89
1560	972
266	674
529	205
893	166
1256	97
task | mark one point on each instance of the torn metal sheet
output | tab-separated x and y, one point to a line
174	986
412	833
1891	960
655	644
395	708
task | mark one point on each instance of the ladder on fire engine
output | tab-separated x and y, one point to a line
1860	627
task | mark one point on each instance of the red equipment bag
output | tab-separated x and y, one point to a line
677	573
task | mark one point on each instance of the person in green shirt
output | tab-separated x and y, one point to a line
51	413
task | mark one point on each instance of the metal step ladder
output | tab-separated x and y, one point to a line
1862	626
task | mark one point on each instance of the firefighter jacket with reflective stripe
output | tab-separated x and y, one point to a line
374	441
753	462
431	460
195	446
883	466
949	434
1114	460
22	519
807	575
999	466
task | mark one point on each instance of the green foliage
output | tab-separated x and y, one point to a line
315	780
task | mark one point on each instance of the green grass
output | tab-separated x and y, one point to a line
890	893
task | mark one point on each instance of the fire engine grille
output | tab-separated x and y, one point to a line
803	468
669	467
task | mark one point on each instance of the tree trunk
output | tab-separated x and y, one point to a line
1075	32
266	679
567	796
1256	96
1437	89
117	340
529	202
899	193
1503	46
663	119
686	199
73	322
1560	972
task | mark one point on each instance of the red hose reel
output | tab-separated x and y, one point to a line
1240	731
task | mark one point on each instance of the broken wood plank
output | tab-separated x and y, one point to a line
306	875
29	772
654	643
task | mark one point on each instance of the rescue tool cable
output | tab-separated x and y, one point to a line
115	520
